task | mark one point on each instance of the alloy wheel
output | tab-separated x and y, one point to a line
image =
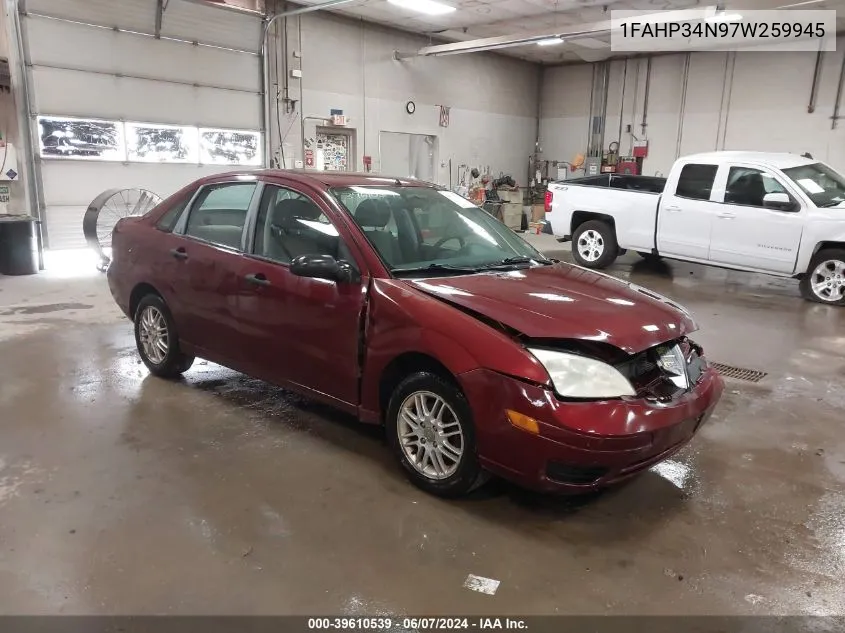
430	435
590	245
828	281
152	330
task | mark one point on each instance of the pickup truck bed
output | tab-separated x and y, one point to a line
651	184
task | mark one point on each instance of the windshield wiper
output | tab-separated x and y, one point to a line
510	261
435	268
832	203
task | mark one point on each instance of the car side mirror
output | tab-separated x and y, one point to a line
779	201
323	267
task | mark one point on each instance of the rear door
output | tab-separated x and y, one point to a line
685	219
745	232
297	329
206	257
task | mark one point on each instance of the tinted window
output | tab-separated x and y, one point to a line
696	181
219	214
290	224
167	221
748	186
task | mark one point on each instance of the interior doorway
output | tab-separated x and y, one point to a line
408	155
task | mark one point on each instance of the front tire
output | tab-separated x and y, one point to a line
594	244
430	430
825	278
157	340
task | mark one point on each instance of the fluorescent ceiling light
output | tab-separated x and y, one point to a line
429	7
725	17
551	41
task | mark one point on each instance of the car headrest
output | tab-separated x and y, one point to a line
373	212
287	212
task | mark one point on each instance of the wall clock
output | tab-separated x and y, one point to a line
410	107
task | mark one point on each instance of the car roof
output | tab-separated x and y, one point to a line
326	178
769	159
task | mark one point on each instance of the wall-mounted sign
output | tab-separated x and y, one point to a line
309	157
4	194
444	116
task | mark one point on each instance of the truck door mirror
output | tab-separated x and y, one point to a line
779	201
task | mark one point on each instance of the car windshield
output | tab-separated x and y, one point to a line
423	230
823	185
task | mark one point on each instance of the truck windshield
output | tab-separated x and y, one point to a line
423	230
824	186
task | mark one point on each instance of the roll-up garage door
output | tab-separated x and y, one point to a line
117	107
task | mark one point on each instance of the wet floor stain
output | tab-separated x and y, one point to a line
219	493
45	309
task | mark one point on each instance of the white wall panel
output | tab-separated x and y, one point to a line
211	25
89	72
133	15
565	109
757	103
493	99
55	43
58	92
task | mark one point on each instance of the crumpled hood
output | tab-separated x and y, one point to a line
567	302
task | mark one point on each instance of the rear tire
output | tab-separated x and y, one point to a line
429	422
825	278
594	244
157	339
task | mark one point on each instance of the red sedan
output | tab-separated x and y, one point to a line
408	306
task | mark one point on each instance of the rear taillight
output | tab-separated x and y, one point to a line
547	202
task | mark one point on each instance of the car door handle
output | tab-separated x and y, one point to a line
257	279
673	209
726	216
179	253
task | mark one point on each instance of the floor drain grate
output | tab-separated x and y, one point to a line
738	373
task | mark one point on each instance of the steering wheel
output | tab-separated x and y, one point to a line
443	240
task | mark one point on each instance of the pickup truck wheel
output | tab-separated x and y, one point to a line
825	278
594	244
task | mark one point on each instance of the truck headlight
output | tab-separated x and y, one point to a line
576	376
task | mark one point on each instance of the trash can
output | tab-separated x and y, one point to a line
19	254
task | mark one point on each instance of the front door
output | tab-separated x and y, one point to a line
685	216
208	248
745	232
296	329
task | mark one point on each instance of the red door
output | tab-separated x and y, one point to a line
207	250
296	329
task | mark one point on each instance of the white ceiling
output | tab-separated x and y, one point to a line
489	18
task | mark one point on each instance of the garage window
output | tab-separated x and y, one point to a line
696	181
229	147
153	143
62	137
68	137
219	214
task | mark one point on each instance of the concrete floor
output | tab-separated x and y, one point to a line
124	494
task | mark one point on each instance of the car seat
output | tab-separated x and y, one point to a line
372	216
286	236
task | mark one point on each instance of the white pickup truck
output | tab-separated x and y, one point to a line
780	214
